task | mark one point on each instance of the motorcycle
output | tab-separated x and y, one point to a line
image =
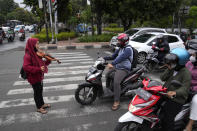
10	36
87	92
152	63
145	108
21	36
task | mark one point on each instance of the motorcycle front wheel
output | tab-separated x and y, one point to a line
85	94
127	126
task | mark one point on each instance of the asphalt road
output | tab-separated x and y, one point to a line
17	108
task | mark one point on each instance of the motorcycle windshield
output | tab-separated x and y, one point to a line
143	94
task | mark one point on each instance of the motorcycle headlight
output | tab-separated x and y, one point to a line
133	108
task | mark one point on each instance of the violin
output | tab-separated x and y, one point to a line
47	56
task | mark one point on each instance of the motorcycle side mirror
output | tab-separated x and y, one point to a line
176	83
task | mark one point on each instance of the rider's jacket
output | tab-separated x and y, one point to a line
122	58
183	76
193	70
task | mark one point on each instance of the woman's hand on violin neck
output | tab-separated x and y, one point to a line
42	68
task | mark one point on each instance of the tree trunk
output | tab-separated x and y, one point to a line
99	24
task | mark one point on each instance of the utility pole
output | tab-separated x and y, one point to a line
50	12
55	17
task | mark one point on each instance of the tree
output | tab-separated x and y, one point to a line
7	6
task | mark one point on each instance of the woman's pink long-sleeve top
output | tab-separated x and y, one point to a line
193	70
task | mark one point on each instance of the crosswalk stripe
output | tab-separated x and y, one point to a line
67	53
55	114
72	60
65	64
52	80
76	57
67	72
69	68
46	89
30	101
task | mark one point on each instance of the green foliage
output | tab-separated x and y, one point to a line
113	25
61	36
116	30
97	38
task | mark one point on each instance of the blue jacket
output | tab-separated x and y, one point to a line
122	58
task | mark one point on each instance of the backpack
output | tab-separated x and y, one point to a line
23	73
135	56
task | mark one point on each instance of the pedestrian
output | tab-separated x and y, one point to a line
192	67
122	64
176	70
35	67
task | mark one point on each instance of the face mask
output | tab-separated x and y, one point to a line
192	59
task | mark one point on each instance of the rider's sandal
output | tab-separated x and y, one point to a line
42	111
115	106
46	106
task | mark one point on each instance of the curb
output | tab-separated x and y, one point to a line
72	47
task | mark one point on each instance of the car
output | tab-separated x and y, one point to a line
134	32
190	42
144	42
18	27
27	28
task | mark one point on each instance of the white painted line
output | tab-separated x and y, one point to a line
53	80
46	89
68	53
90	59
35	117
67	72
76	57
70	67
65	64
30	101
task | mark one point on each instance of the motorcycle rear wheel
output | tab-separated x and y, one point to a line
127	126
82	92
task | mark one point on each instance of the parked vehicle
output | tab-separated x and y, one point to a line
144	42
134	32
87	92
83	28
145	109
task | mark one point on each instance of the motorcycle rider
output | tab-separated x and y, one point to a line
122	59
192	67
176	70
162	47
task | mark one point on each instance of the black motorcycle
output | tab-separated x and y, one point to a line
10	36
21	36
87	92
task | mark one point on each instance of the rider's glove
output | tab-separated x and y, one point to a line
161	49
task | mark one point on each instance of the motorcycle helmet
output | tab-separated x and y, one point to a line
177	57
192	49
122	40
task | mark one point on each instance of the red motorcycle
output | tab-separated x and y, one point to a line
145	108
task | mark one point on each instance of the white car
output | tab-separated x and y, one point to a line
143	43
134	32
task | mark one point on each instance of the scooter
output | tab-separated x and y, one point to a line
21	36
87	92
10	36
152	63
145	108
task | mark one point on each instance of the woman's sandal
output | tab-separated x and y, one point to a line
46	106
115	106
41	110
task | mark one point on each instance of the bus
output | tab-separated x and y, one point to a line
13	23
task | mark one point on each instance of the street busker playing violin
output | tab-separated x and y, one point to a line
122	59
192	66
35	67
176	70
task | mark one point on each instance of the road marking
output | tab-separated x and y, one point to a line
30	101
35	117
65	64
46	89
69	68
53	80
68	53
76	57
80	60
